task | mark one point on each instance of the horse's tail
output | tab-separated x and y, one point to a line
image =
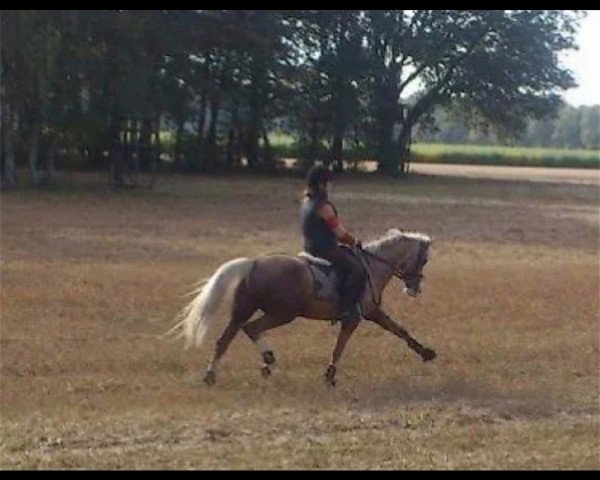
198	316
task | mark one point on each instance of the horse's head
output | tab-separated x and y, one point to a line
406	254
415	261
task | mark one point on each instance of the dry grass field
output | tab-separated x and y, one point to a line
91	279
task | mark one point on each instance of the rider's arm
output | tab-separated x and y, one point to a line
333	222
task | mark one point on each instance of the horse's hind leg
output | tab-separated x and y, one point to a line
242	311
256	328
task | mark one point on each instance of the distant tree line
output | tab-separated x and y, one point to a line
570	128
100	87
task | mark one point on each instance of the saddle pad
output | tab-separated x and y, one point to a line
325	284
315	260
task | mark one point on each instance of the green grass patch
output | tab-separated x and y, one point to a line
286	147
511	156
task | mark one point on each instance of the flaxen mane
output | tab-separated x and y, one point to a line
393	236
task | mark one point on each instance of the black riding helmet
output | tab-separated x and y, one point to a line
318	175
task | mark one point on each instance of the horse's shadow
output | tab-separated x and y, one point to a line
384	393
454	393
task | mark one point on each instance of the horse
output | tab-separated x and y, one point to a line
285	287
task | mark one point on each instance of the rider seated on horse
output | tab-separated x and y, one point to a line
323	234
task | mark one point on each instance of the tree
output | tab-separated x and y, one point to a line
100	84
590	127
500	65
540	132
568	128
340	65
30	46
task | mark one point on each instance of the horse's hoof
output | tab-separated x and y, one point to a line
268	357
266	371
428	354
210	378
330	376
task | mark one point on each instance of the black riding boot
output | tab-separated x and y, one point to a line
349	314
349	297
350	283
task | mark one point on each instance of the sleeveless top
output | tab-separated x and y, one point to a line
318	237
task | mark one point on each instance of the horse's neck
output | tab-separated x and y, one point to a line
395	256
396	253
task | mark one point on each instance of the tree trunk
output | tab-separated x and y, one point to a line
127	148
96	158
3	123
239	144
337	150
256	113
403	150
145	148
34	140
309	146
178	145
117	156
311	157
211	138
268	155
229	157
339	125
135	149
201	155
50	172
252	145
10	121
202	117
386	152
155	153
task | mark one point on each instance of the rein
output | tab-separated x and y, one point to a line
395	272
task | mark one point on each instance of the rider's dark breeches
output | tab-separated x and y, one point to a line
352	275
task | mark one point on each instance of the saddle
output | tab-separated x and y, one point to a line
324	275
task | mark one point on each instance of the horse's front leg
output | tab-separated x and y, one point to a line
384	321
346	332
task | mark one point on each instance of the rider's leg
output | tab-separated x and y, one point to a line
355	283
351	282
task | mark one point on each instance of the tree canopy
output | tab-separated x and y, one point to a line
99	86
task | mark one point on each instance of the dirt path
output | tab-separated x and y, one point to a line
532	174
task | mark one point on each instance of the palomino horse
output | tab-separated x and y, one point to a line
283	288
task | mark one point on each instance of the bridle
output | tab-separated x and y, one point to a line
415	275
402	275
395	272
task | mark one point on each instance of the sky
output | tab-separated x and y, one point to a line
585	63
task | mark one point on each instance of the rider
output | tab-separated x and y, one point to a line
323	232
